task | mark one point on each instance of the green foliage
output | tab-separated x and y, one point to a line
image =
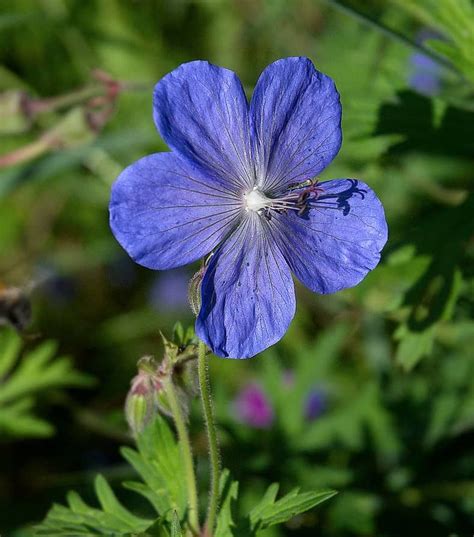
79	519
393	356
378	421
268	511
158	463
228	491
454	19
24	379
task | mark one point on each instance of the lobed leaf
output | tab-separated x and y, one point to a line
23	379
113	520
158	462
294	503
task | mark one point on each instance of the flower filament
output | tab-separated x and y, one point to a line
296	198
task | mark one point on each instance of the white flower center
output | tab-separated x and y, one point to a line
255	200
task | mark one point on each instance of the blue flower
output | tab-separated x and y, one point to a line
238	183
425	73
315	404
425	76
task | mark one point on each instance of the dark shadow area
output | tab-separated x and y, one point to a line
412	116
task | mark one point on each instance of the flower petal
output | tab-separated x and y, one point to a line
165	213
296	122
202	113
248	297
335	243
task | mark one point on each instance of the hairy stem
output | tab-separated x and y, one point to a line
212	439
187	455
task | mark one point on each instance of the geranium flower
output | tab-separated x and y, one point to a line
240	183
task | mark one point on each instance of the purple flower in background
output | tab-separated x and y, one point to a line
169	291
239	183
425	73
315	404
253	407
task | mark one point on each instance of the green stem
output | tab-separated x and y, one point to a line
187	455
25	153
68	99
212	438
81	95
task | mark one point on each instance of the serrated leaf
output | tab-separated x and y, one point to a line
80	519
37	371
286	508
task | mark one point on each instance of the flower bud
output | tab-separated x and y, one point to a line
147	395
13	112
139	405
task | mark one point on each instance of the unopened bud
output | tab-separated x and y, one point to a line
139	405
147	394
14	117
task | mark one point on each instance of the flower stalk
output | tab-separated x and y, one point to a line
214	455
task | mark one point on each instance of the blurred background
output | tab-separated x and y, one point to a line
371	392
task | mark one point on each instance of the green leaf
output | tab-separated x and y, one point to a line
176	526
413	346
39	371
17	420
228	492
111	505
268	500
113	520
24	379
10	344
454	19
270	512
158	462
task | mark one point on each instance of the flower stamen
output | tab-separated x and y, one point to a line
296	198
